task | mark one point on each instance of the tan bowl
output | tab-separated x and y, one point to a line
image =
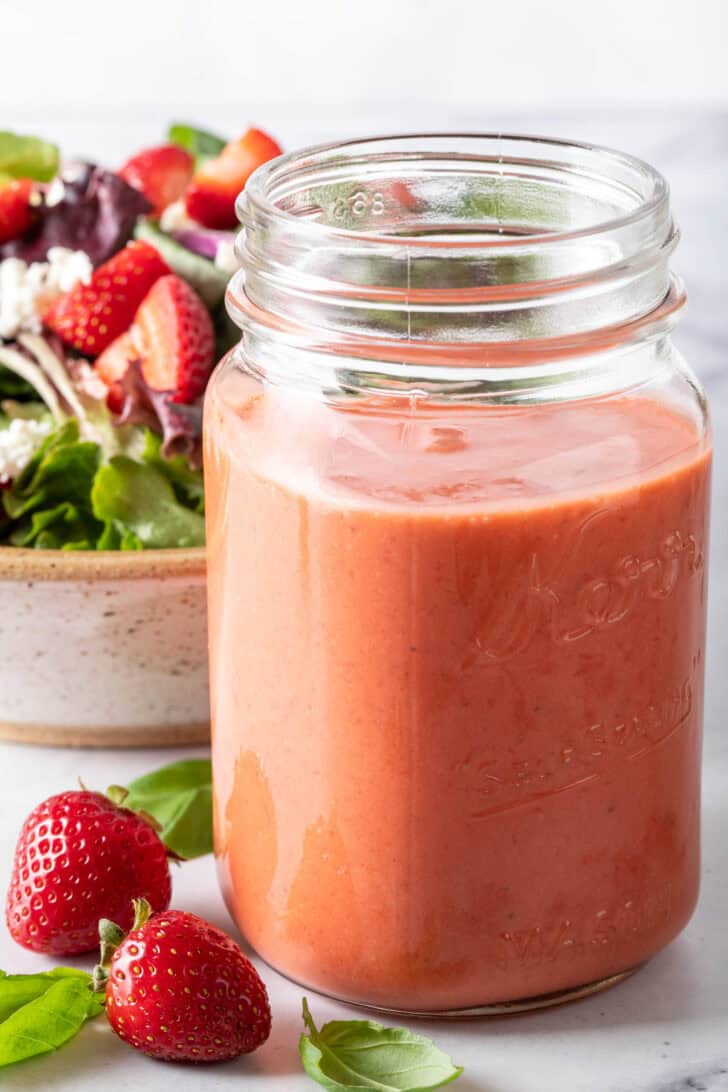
103	649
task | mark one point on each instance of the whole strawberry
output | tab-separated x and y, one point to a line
181	990
81	857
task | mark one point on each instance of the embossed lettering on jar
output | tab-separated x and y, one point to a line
458	482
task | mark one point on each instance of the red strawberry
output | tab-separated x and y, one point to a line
210	196
181	990
91	315
160	173
80	857
16	208
173	337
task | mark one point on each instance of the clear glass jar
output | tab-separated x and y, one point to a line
457	483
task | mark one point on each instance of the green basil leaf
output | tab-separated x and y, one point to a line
362	1054
198	142
179	797
17	990
48	1020
27	157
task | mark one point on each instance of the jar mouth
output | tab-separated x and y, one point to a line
271	187
454	238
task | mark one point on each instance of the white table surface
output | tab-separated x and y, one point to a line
666	1029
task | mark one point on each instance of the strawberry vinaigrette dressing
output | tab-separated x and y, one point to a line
457	683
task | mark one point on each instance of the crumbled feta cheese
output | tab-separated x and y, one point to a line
26	291
175	217
226	258
67	268
55	192
19	443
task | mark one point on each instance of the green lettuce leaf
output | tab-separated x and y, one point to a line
187	483
69	498
361	1054
62	469
27	157
65	527
137	498
49	503
198	142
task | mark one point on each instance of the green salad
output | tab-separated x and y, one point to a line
112	316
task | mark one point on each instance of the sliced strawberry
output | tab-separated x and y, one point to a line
16	208
172	336
210	196
112	366
92	315
160	173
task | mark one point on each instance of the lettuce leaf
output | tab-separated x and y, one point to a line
62	469
48	504
27	157
69	498
200	143
135	498
186	482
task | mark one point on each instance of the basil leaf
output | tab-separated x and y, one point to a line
48	1021
27	157
179	797
198	142
17	990
362	1054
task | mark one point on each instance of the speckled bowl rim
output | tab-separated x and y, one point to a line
56	565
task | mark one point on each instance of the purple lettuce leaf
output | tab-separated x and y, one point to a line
96	213
180	425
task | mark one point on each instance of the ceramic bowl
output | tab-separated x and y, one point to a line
103	649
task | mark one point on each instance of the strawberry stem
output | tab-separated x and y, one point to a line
111	936
117	794
142	912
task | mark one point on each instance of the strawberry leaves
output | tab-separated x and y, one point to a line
361	1054
179	798
41	1012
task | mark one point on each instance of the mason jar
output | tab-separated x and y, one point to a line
457	482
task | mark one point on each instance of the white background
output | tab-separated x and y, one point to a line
329	67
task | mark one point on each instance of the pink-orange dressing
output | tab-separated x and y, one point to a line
456	669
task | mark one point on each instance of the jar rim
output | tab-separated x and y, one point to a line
454	238
257	189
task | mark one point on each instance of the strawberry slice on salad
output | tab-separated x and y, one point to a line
16	208
210	196
172	337
91	316
160	173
